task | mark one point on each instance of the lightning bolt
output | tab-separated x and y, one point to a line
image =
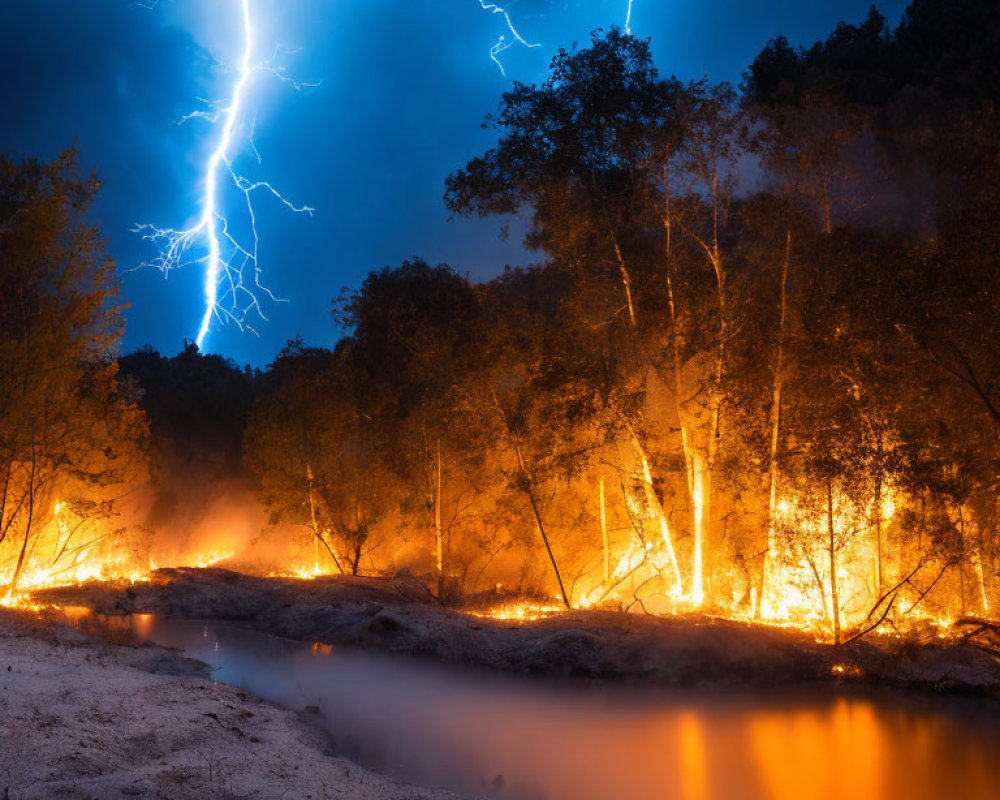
503	43
226	260
232	268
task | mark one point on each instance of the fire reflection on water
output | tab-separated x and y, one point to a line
694	769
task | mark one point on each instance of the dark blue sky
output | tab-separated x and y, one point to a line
405	86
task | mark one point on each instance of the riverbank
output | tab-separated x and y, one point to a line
400	617
98	719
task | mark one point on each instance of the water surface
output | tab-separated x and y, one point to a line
511	738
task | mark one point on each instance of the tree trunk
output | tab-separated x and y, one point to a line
704	533
526	481
879	576
980	572
827	213
715	434
695	496
700	507
438	532
834	599
626	278
356	563
315	525
655	506
821	588
765	595
359	540
12	589
604	540
4	526
962	607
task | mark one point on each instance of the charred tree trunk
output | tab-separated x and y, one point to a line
4	525
704	541
529	490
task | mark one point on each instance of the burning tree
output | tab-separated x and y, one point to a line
70	439
310	446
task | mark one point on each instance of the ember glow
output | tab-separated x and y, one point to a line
523	611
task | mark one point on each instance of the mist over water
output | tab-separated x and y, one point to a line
508	738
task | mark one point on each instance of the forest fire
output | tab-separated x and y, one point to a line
85	572
734	410
873	591
799	594
729	436
57	557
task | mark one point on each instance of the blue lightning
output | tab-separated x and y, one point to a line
226	261
503	43
232	269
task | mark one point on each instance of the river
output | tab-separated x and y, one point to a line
514	738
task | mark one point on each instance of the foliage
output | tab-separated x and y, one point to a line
69	439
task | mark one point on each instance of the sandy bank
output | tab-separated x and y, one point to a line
84	718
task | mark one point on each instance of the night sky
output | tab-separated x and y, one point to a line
404	89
